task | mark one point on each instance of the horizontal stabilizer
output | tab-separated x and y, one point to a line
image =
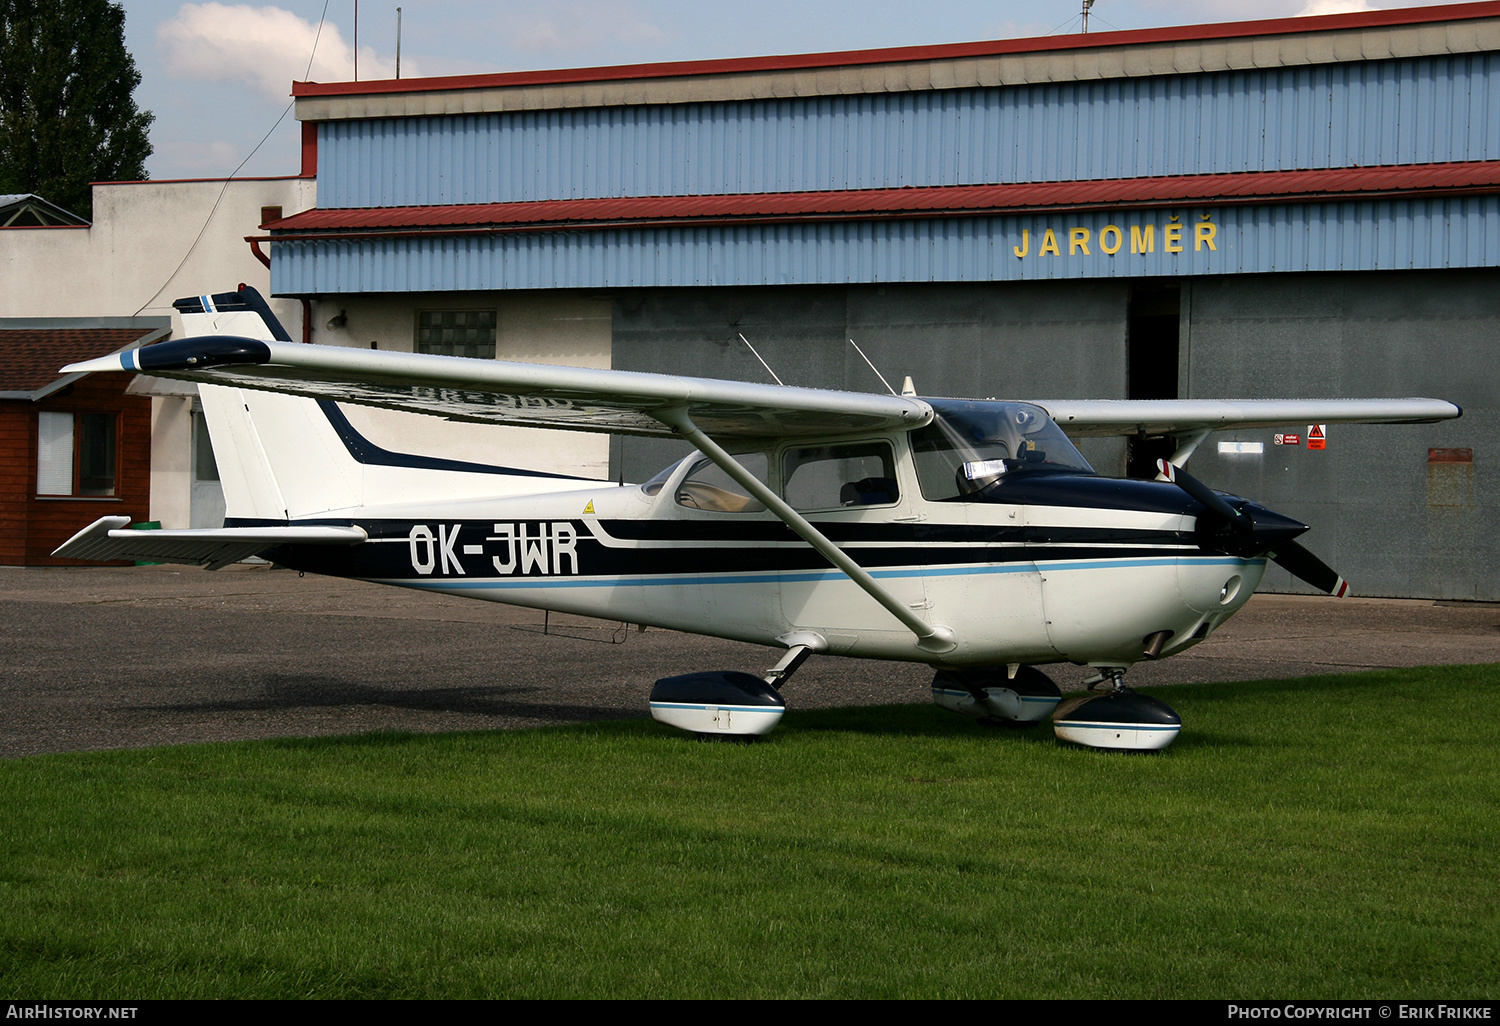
108	538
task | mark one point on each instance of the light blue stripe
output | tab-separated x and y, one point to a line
731	708
455	583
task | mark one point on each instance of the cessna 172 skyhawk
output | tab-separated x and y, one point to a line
968	535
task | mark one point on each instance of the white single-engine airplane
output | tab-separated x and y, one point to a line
968	535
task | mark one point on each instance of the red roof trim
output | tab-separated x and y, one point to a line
948	51
931	201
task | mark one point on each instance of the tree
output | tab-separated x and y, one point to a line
67	109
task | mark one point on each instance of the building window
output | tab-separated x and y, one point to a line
76	453
468	333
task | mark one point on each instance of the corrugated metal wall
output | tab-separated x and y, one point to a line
1350	236
1381	512
1335	115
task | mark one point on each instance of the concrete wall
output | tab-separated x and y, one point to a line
150	243
172	461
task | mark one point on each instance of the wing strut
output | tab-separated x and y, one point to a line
933	638
1186	443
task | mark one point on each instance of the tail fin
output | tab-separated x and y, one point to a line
244	312
286	457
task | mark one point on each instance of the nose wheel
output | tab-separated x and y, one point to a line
1116	718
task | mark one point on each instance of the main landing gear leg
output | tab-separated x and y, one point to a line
1118	719
782	671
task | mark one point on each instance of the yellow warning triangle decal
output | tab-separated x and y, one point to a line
590	507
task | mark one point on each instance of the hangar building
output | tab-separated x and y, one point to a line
1295	208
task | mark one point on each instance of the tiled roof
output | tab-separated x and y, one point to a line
30	357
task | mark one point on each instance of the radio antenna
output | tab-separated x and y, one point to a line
763	363
879	375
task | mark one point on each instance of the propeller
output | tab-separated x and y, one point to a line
1236	531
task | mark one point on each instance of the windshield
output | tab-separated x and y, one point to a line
971	444
654	485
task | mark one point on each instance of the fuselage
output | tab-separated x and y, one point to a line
1016	546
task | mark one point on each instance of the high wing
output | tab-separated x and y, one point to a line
1182	417
239	341
535	395
635	403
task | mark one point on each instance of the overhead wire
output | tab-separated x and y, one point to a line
232	175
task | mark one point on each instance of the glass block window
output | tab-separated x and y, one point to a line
468	333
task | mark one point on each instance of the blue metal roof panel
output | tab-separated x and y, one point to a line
1391	112
1336	236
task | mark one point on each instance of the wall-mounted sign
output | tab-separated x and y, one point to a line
1286	439
1317	436
1141	238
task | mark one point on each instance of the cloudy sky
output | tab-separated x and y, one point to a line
218	75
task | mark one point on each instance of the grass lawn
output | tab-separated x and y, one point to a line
1332	837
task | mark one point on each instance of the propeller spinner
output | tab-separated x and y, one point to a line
1238	531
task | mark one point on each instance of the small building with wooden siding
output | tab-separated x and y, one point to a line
73	447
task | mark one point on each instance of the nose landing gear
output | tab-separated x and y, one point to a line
1117	720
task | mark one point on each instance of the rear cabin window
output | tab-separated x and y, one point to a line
838	476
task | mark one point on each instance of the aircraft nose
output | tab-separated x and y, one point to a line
1248	530
1268	530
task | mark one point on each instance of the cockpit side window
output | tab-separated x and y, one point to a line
972	444
836	476
706	487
